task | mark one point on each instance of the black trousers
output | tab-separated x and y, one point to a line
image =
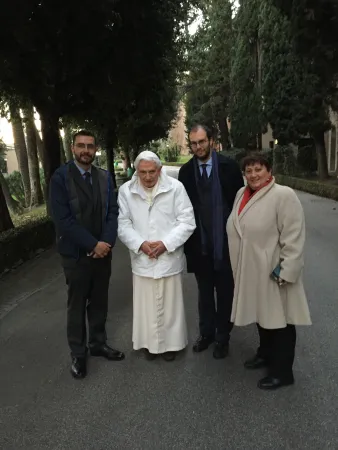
214	316
88	282
277	347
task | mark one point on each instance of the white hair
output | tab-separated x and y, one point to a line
147	156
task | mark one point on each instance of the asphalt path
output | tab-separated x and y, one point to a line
193	403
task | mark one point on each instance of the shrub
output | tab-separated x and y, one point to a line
268	154
310	186
21	243
235	153
284	160
172	153
306	160
15	185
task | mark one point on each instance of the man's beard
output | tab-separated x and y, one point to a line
87	161
206	155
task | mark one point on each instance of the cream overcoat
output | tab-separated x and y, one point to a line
270	229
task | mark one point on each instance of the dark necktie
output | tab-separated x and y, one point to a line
204	173
87	177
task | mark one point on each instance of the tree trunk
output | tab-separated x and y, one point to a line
126	159
33	161
13	205
67	143
223	127
62	151
21	151
39	145
111	142
51	145
323	170
5	218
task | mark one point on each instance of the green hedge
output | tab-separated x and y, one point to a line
22	243
311	186
174	164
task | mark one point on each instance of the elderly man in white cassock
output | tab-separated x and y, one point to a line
155	219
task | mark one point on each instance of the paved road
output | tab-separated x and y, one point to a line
194	403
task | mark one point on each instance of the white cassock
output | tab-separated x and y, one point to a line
163	213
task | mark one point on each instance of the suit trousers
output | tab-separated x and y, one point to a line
277	347
88	282
214	316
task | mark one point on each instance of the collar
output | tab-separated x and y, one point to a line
208	163
164	184
82	171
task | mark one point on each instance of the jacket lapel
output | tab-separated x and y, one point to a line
235	217
96	187
190	183
255	198
103	187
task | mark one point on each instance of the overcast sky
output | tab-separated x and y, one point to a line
193	27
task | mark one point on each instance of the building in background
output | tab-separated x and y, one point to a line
11	160
332	144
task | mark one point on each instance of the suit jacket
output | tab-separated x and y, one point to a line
231	180
72	236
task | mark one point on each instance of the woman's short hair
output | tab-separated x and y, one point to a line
255	158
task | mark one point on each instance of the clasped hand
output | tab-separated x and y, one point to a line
101	250
153	249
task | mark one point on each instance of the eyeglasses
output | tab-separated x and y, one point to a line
200	143
88	146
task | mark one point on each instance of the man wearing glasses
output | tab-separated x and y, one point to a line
84	210
211	181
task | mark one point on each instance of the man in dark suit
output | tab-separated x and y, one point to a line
211	181
84	210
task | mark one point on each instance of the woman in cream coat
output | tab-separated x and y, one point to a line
266	233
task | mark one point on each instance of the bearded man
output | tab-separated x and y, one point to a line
212	181
84	211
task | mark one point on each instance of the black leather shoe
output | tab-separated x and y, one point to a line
107	352
169	356
202	343
149	356
221	350
271	383
79	367
255	363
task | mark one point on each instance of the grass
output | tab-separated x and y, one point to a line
182	159
29	216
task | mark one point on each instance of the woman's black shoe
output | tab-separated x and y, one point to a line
271	383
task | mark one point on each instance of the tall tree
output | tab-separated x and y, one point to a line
68	71
246	113
46	42
208	85
32	153
21	150
12	204
67	142
314	39
5	218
